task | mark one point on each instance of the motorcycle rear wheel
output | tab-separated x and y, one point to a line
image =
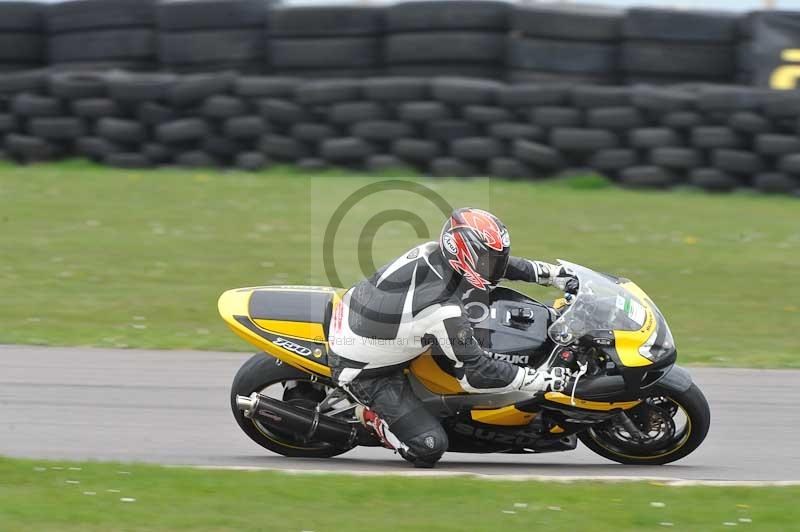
691	403
260	372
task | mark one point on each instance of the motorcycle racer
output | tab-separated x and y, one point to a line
415	303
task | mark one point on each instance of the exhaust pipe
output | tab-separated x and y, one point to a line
297	420
247	404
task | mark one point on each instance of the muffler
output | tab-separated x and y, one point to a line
310	424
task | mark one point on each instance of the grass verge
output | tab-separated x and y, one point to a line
111	258
88	497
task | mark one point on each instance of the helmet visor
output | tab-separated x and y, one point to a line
492	266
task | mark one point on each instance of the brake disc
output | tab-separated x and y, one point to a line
655	422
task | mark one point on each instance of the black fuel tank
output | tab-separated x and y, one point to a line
510	325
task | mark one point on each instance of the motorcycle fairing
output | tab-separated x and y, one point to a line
628	343
433	377
507	416
558	397
287	322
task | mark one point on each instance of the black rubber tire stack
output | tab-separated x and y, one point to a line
745	48
380	121
84	99
211	35
325	41
39	126
606	114
490	131
660	142
102	34
454	38
21	143
12	84
141	98
298	119
339	104
664	46
715	137
538	110
726	140
464	143
22	42
570	43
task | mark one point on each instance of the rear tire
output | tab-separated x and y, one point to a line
259	372
696	409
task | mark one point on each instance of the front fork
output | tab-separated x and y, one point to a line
624	419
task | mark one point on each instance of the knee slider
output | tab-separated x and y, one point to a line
430	445
423	434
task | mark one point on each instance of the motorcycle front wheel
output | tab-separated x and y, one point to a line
670	427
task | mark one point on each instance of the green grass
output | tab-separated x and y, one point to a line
51	496
94	256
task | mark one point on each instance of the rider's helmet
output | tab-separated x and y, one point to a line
476	244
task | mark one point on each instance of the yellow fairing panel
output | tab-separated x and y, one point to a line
294	329
558	397
236	302
507	416
433	377
627	343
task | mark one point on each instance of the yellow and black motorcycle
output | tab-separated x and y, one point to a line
627	400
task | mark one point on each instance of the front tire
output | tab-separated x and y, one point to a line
692	403
260	372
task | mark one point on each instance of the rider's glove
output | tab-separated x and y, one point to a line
553	379
556	275
570	285
565	281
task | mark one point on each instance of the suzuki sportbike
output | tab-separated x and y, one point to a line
627	400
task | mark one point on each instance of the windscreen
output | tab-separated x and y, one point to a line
601	304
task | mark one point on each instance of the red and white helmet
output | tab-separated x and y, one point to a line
476	244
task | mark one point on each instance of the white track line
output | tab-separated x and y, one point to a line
664	481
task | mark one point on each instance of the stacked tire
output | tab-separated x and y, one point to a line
340	105
570	43
536	111
22	41
664	46
776	140
102	34
457	37
714	137
275	103
457	131
325	41
480	127
746	60
121	138
212	35
43	126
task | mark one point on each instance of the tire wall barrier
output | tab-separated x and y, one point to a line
476	38
717	138
457	88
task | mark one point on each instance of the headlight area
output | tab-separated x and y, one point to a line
660	344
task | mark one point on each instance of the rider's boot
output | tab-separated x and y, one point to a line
378	428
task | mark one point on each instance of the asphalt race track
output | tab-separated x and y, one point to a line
172	407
